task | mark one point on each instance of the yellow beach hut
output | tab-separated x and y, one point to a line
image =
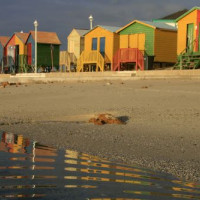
101	43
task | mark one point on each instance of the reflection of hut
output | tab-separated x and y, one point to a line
48	48
101	43
16	51
75	42
156	40
13	143
3	52
188	49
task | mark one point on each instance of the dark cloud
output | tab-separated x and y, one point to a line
62	16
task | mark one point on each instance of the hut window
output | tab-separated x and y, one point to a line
94	43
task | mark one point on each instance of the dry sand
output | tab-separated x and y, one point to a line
162	130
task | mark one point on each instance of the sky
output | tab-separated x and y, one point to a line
61	16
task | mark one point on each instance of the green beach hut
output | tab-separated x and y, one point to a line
48	49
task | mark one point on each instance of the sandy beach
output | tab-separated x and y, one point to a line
162	129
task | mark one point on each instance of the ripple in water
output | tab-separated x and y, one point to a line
31	170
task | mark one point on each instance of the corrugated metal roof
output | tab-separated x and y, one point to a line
4	40
160	25
46	37
175	15
22	36
81	32
188	12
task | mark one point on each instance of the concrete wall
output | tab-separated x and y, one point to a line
98	76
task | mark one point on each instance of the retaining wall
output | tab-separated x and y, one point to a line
96	76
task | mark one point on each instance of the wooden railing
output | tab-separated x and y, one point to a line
66	58
128	55
90	57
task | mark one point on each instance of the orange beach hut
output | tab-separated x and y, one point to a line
17	51
188	44
3	52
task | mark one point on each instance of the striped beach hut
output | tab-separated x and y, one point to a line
188	44
16	51
145	45
48	48
101	43
3	52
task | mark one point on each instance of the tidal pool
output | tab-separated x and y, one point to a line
30	170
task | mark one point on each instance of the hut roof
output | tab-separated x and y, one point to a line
188	12
22	36
175	15
112	29
155	25
81	32
160	25
4	40
46	37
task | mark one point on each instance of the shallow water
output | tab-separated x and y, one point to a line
31	170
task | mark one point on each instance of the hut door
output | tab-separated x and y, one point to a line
190	37
102	46
29	48
16	58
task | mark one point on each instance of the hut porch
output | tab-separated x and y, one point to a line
128	59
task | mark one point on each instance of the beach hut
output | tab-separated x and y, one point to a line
3	52
16	51
101	43
75	42
48	49
188	44
145	45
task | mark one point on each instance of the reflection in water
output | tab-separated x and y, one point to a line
31	170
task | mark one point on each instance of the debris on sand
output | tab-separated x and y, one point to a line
145	87
102	119
5	84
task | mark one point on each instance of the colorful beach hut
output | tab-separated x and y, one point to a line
48	48
16	51
145	45
188	45
3	52
101	43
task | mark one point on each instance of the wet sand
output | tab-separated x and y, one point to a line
162	130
